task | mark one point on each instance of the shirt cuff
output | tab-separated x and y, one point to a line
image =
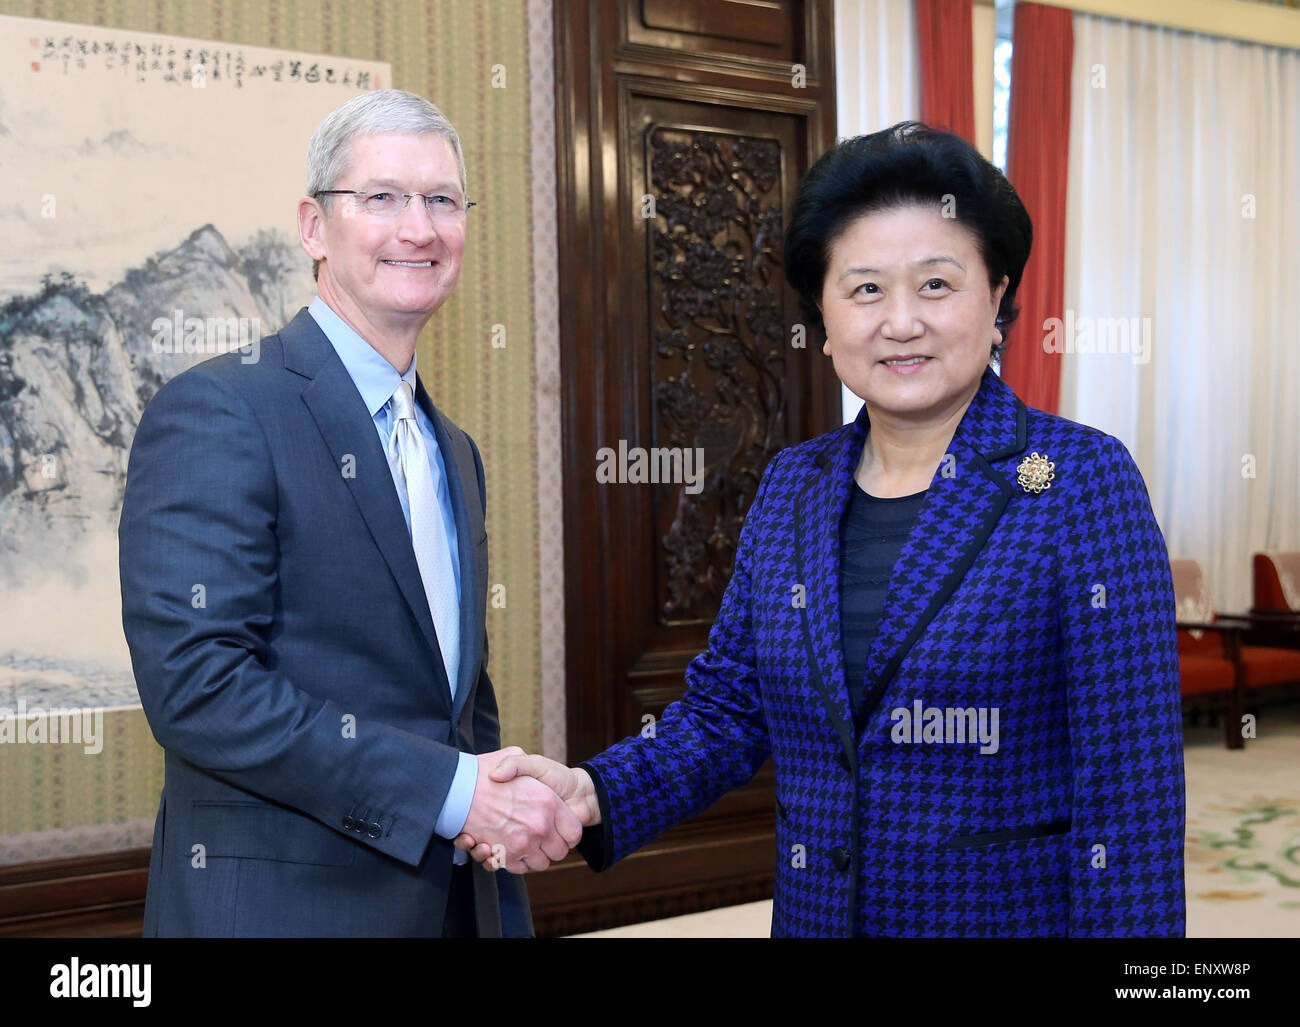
455	810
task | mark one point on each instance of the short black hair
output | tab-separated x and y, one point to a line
910	163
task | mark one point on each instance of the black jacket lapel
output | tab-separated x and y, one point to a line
827	480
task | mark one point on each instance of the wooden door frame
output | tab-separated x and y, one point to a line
725	855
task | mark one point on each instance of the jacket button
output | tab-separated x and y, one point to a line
843	759
375	831
841	858
347	823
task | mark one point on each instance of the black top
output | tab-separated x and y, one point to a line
872	534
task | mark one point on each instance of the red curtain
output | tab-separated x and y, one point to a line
943	32
1038	154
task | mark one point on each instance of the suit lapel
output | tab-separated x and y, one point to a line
462	485
961	508
828	477
349	432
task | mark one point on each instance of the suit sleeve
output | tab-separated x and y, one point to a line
199	570
1120	654
707	743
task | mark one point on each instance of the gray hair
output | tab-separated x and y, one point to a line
329	154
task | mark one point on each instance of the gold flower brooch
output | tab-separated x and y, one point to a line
1035	473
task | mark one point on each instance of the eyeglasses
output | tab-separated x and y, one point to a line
386	203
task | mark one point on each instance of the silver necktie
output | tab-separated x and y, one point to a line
409	458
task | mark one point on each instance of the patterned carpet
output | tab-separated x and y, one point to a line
1243	830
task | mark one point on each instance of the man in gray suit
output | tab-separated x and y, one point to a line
304	575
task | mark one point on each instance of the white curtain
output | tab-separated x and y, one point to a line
877	79
877	65
1184	227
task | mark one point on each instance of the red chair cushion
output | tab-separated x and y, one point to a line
1204	674
1265	665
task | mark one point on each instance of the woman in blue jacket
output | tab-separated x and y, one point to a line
950	623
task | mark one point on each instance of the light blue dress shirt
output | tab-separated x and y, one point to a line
376	379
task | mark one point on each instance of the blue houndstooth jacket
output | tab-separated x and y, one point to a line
1053	608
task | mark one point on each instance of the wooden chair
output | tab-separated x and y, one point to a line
1275	613
1276	583
1259	670
1209	652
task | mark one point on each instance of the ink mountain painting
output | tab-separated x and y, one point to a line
148	222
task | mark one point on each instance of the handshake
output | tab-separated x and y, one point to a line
527	811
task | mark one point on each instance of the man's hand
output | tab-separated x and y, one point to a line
517	820
572	786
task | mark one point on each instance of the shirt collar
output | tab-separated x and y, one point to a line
375	378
